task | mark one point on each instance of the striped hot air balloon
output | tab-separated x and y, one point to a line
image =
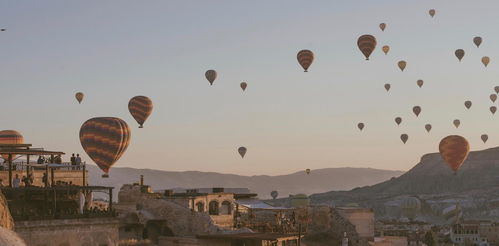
366	44
454	149
305	58
10	137
140	107
79	96
105	139
211	75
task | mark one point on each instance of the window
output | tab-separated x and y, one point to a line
226	208
213	208
200	207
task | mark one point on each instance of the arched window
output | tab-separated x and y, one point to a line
213	208
200	207
226	208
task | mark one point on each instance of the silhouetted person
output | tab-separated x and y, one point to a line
78	161
73	161
58	159
16	182
40	160
25	180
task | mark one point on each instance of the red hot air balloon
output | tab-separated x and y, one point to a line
140	108
105	139
366	44
454	150
211	75
305	59
10	137
242	151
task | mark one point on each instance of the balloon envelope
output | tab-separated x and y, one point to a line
493	109
140	108
467	104
366	44
427	127
398	120
431	12
456	123
477	41
382	26
402	65
243	85
79	96
420	83
274	194
496	89
404	137
387	87
485	61
242	151
105	140
484	138
416	110
360	126
459	54
493	97
454	150
305	59
385	49
211	75
10	137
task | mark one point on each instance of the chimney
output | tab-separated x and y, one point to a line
141	180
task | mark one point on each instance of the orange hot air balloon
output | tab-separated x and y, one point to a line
420	83
427	127
454	149
477	41
493	109
140	107
79	96
484	138
307	171
398	120
366	44
496	89
387	87
416	110
459	54
402	65
431	12
456	123
10	137
382	26
211	75
485	61
242	151
385	49
493	97
305	58
105	139
467	104
243	85
360	126
404	137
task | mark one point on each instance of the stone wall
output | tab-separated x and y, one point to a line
7	237
70	232
73	176
6	220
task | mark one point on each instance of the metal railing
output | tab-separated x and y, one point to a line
23	166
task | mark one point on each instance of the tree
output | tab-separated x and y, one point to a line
429	239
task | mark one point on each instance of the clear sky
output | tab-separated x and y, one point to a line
288	120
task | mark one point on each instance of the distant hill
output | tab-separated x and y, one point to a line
474	187
319	180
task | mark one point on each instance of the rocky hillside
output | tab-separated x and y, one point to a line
320	180
473	186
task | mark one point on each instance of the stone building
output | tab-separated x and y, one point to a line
361	218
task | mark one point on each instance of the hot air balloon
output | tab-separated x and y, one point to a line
366	44
420	83
402	65
387	87
493	109
485	60
493	97
243	85
10	137
484	138
79	96
398	120
454	149
382	26
416	110
459	54
385	49
360	126
307	171
305	58
274	194
467	104
496	89
431	12
140	108
242	151
211	75
477	41
105	139
411	207
427	127
456	123
404	137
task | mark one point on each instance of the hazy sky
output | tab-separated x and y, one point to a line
288	120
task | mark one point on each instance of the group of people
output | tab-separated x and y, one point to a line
75	161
